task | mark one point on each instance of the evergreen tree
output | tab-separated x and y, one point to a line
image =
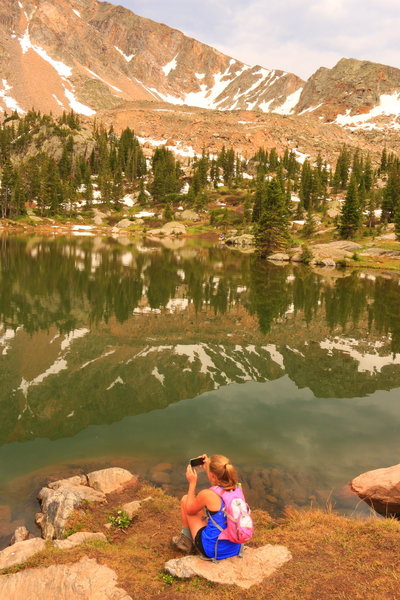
350	218
397	221
272	231
168	212
259	201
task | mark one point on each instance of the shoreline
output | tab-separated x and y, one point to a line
194	231
328	552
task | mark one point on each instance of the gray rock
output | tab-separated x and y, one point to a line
19	553
347	245
58	505
132	508
326	262
110	480
174	228
279	256
75	480
78	538
252	569
20	535
189	215
247	239
124	223
83	580
381	252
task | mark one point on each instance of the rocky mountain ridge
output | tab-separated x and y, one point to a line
112	56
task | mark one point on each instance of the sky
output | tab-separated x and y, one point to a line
297	36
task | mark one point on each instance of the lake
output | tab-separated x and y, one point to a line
143	355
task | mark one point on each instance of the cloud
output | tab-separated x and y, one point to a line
295	35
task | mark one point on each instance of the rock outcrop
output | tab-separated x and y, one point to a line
172	228
83	580
58	505
256	565
60	498
111	480
380	488
19	553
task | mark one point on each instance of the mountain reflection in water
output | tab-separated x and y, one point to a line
95	334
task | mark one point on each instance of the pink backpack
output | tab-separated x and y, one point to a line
239	528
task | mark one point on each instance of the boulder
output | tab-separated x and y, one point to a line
332	213
252	569
346	245
19	553
279	256
58	505
155	232
247	239
79	538
111	480
76	480
325	262
132	508
20	535
189	215
381	252
391	237
124	223
79	581
174	228
380	489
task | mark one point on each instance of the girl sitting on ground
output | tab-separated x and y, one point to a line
201	530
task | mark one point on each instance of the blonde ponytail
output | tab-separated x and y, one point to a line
224	471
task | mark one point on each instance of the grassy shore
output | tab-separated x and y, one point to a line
334	558
65	226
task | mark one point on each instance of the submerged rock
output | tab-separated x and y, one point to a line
256	565
82	580
380	488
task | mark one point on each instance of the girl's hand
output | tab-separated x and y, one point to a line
191	474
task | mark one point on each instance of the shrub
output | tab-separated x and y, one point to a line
306	254
120	520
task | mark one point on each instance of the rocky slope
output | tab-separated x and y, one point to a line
355	93
112	56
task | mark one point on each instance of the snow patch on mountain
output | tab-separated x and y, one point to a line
62	69
389	104
171	66
78	107
128	58
8	100
367	362
290	103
